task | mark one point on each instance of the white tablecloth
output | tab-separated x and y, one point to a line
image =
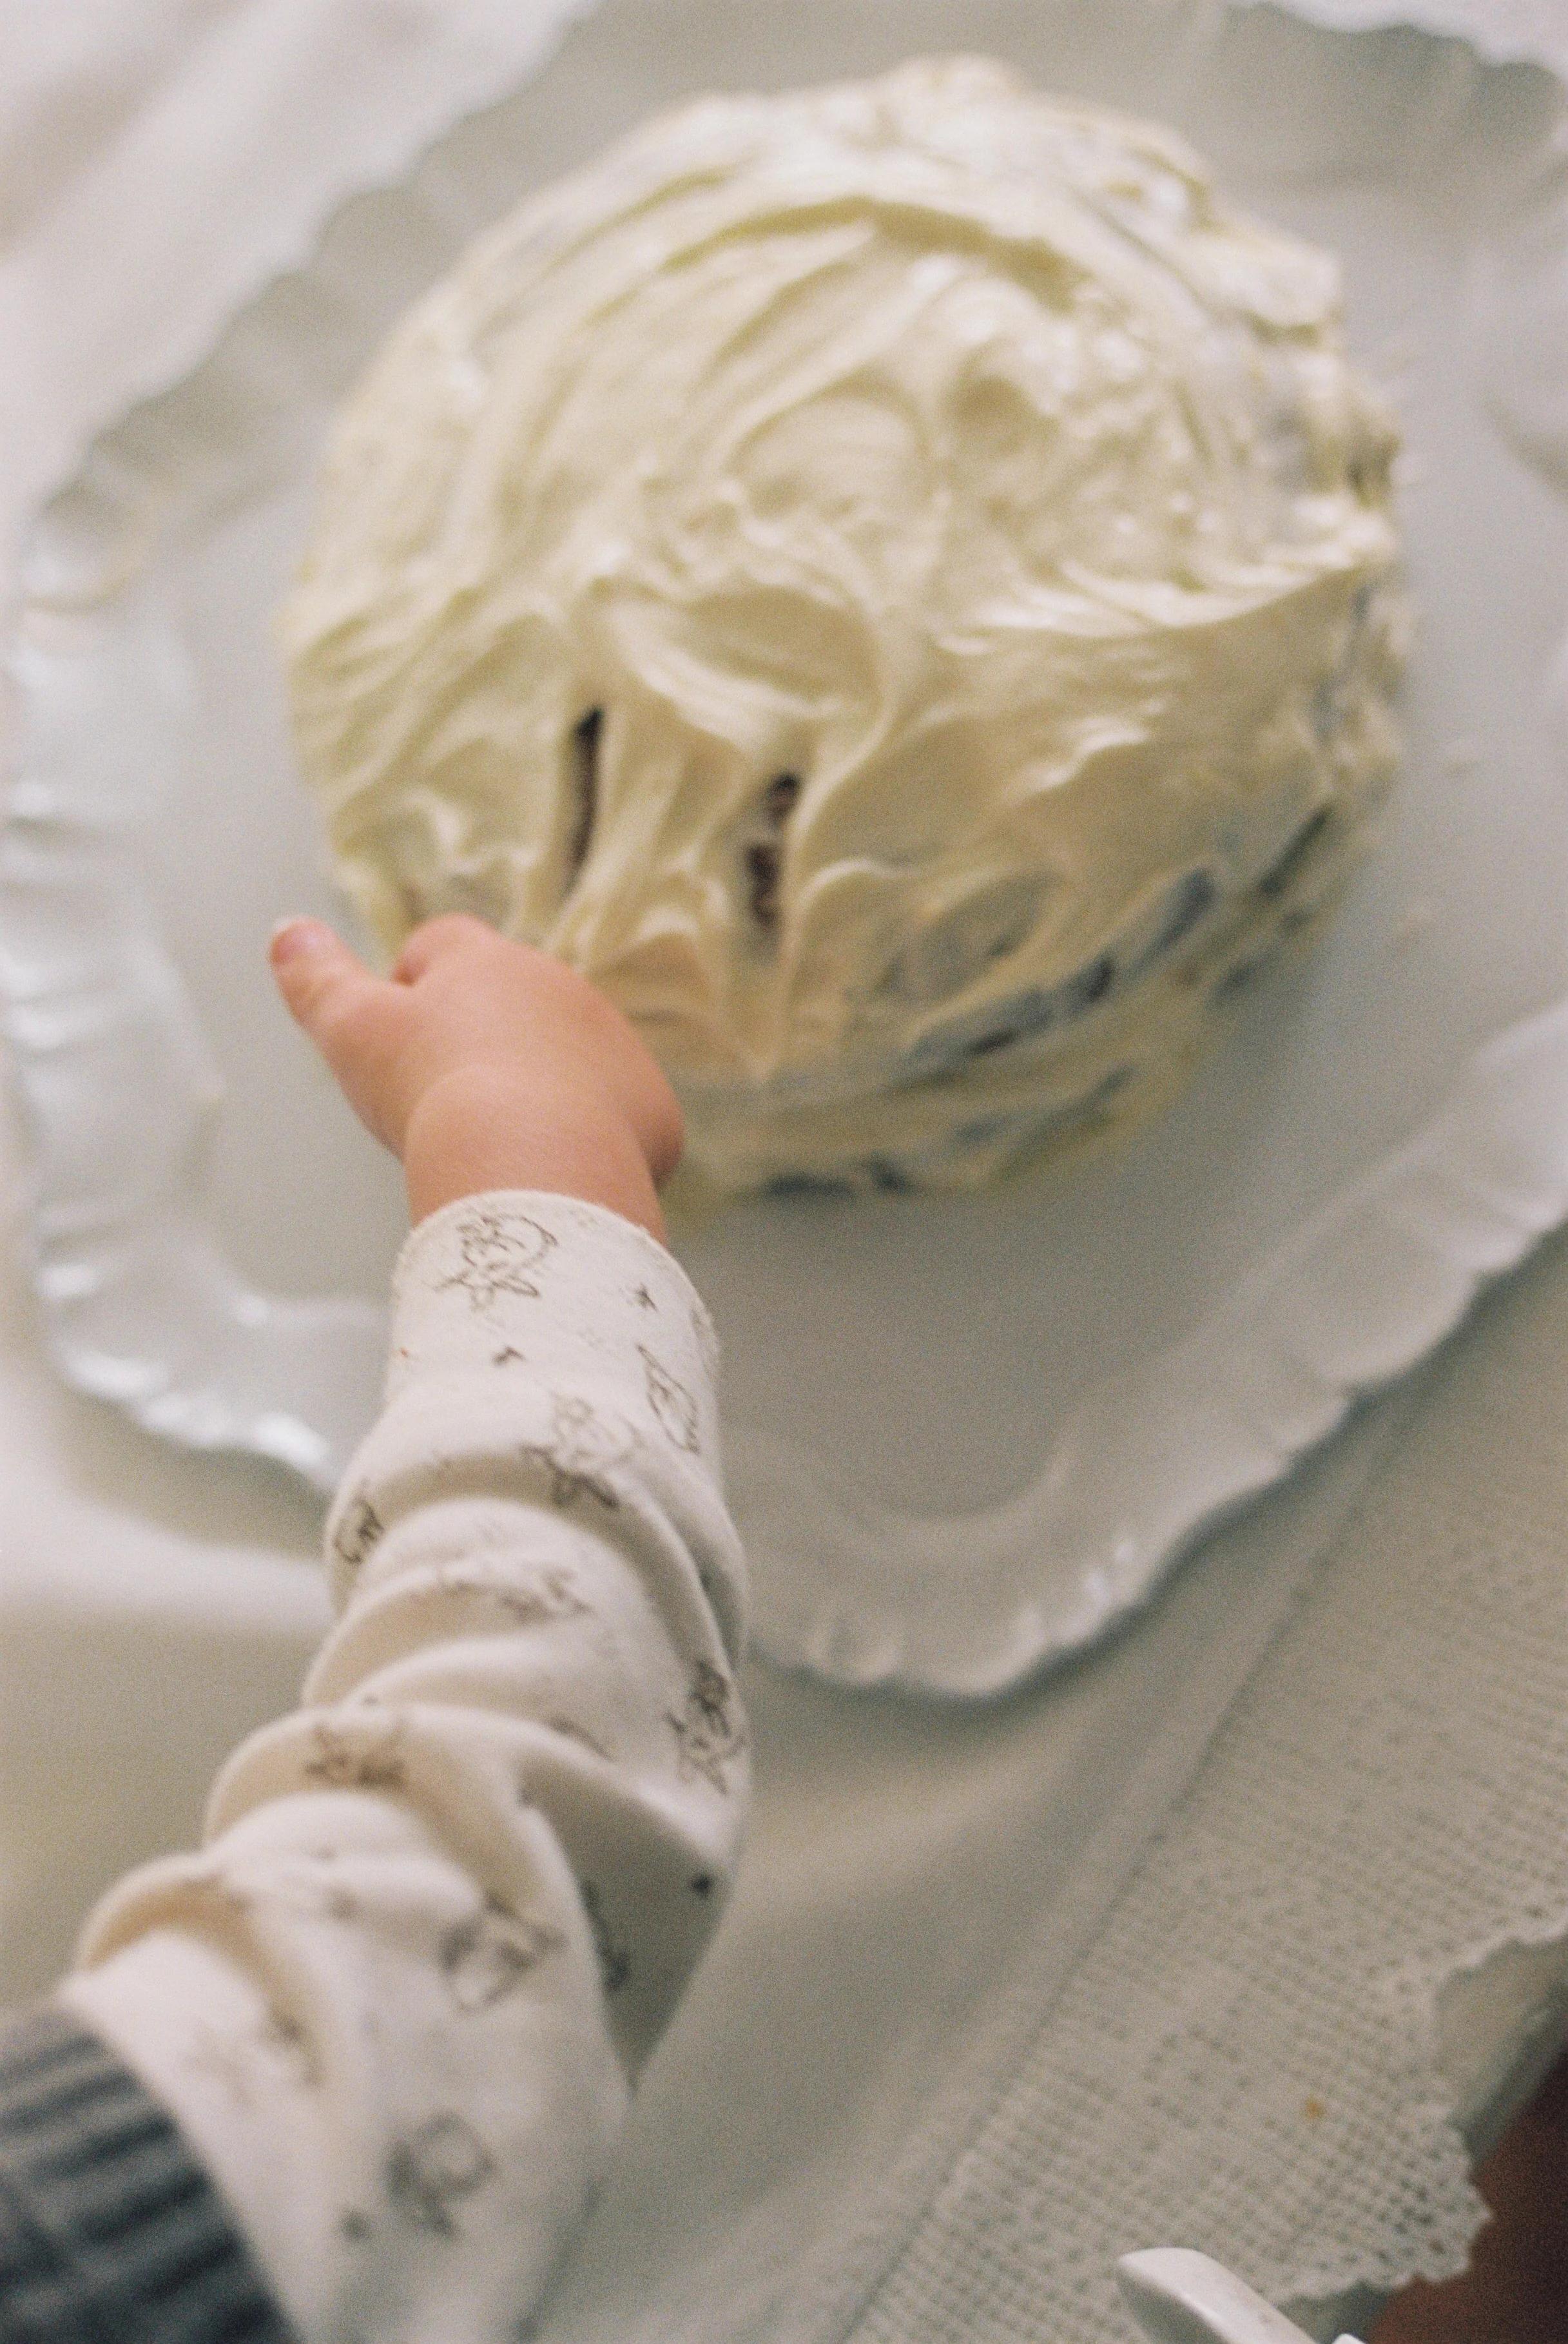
897	2106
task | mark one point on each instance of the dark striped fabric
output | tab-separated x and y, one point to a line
110	2232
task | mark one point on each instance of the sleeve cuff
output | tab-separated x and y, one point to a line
518	1278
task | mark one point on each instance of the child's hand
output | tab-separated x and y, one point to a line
486	1064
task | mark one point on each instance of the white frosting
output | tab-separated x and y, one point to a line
977	550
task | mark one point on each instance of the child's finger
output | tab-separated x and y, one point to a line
314	969
350	1015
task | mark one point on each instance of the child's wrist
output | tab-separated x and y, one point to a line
485	1127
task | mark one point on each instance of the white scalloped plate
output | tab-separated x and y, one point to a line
966	1435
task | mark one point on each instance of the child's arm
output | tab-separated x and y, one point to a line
445	1909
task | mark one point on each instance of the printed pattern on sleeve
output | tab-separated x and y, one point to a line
454	1899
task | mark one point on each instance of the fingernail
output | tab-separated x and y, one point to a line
294	937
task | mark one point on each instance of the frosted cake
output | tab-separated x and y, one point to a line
896	581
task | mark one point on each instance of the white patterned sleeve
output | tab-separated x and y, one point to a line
444	1910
